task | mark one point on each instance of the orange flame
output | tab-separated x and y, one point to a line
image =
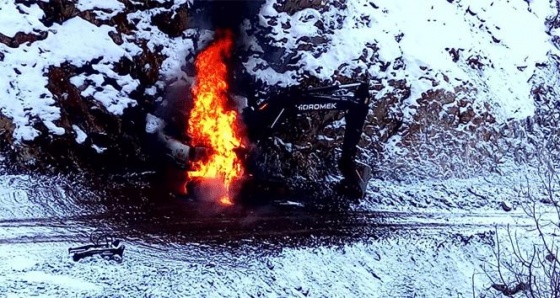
212	123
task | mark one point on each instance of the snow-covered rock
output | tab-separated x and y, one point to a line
80	68
457	78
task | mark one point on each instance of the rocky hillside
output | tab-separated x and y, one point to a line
463	85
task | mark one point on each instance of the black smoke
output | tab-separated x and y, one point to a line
225	14
219	15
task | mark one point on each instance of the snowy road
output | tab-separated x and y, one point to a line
282	229
182	250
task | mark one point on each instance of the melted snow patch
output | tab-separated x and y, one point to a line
98	149
114	100
54	129
174	49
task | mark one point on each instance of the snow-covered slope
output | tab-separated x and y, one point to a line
119	55
454	74
458	77
430	44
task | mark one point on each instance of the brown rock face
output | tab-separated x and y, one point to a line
6	130
292	6
172	23
121	138
58	11
21	38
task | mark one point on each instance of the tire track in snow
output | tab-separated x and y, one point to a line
41	209
244	230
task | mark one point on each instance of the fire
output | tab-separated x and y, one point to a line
212	122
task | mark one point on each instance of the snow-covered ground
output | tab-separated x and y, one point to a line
490	192
403	254
401	267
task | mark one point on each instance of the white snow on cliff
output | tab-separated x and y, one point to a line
18	18
112	5
507	37
23	88
497	45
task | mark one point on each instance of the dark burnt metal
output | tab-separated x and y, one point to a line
104	245
262	121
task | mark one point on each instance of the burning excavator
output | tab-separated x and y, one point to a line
216	143
213	123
